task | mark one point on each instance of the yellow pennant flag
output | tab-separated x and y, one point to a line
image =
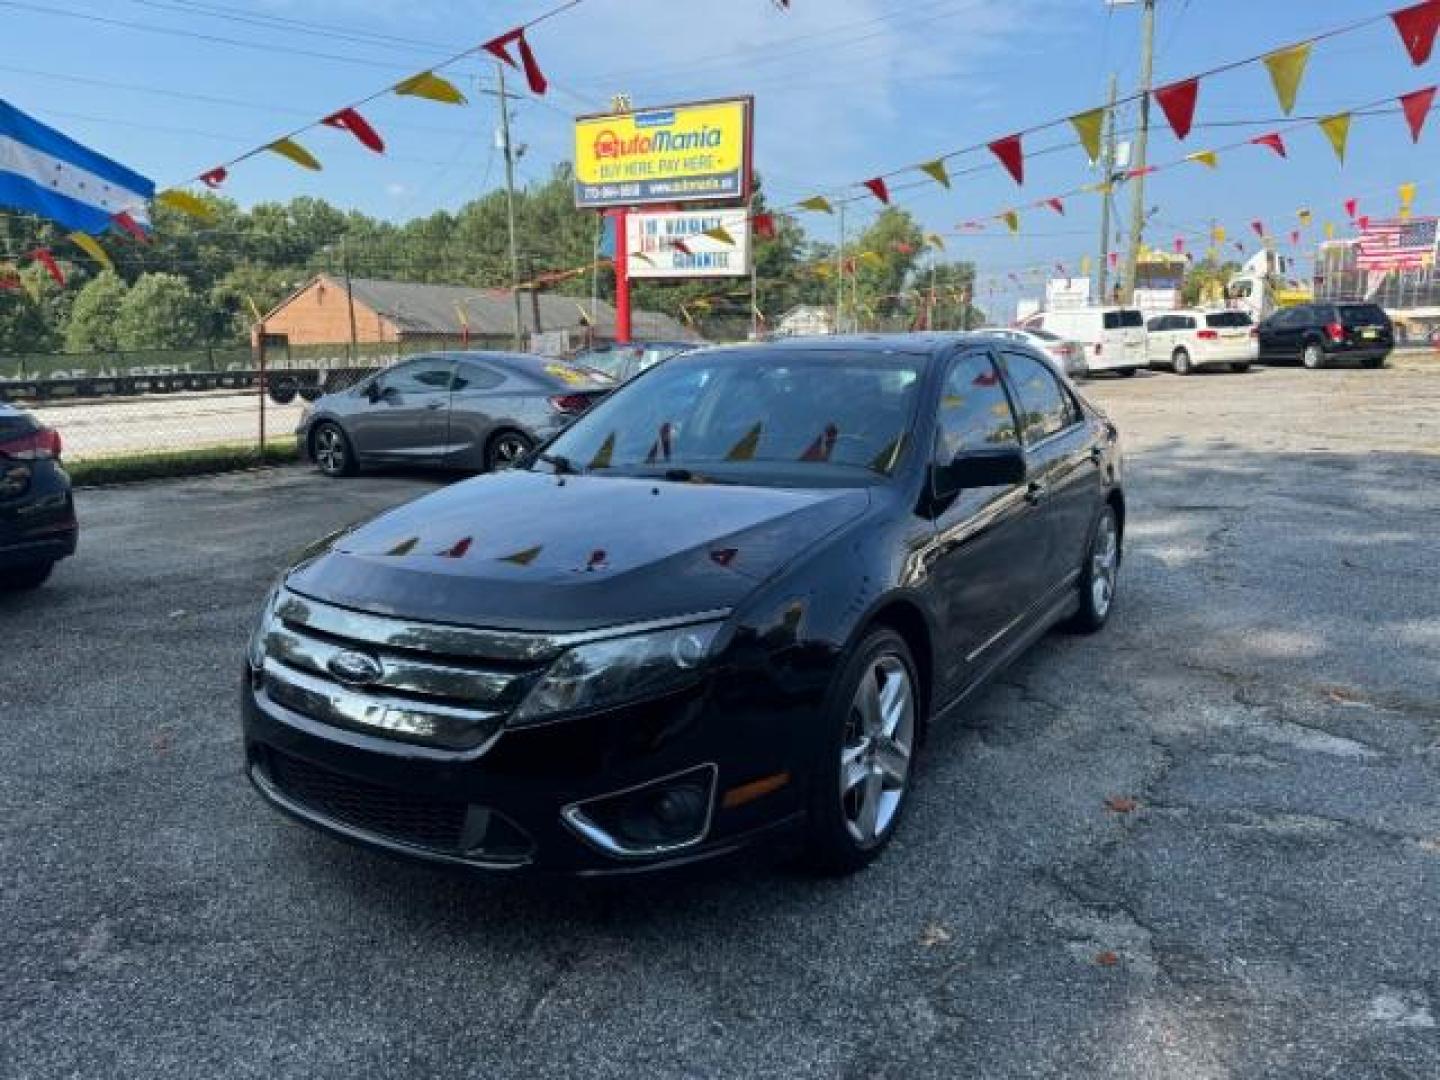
1218	234
819	204
1407	199
91	247
1084	265
1305	217
936	171
1089	126
1208	158
289	148
1337	130
871	258
721	234
1329	230
186	203
822	270
1012	220
1287	68
1100	189
935	241
431	86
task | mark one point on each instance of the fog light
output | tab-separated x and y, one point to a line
661	816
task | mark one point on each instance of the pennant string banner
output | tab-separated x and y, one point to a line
1090	126
1337	130
289	148
432	87
351	121
1177	102
1287	68
1416	106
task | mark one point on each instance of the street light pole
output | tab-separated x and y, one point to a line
1142	138
510	205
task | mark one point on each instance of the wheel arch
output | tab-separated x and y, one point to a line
905	617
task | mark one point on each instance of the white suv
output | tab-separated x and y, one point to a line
1192	339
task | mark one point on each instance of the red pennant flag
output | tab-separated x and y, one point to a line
1364	223
1114	259
1417	26
1056	205
498	49
1259	227
1294	237
1011	155
1134	174
764	225
215	177
1417	108
351	121
47	260
1179	245
131	226
1273	141
1352	207
1178	103
878	189
682	247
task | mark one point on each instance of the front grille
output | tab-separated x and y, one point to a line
426	823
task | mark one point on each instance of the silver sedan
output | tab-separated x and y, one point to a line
461	410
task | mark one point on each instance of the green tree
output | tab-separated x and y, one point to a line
160	312
93	318
885	256
1206	281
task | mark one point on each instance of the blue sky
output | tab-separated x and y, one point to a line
844	89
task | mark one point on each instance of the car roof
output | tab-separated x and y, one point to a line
531	364
924	343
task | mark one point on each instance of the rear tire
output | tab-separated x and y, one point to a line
1099	576
332	451
1313	357
1126	372
1240	368
23	578
865	767
1180	361
505	448
1374	362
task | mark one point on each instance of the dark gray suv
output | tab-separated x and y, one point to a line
37	510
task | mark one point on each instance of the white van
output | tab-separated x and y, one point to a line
1113	337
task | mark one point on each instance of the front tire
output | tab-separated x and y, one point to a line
1126	372
1240	368
1313	357
864	770
1374	362
505	448
1099	575
23	578
332	451
1181	363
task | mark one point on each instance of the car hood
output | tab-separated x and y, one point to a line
528	551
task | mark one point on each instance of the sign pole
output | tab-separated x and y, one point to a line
622	276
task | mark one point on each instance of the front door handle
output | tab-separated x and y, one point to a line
1035	493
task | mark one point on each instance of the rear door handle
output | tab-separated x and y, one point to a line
1035	493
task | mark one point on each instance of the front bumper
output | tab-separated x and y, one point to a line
504	806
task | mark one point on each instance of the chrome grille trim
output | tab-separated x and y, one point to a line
443	639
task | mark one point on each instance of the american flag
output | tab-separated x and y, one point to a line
1398	244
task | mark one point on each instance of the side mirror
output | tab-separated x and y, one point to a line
1000	467
373	392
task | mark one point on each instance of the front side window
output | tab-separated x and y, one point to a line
418	377
975	414
1045	407
755	416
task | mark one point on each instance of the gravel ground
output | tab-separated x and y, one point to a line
1203	844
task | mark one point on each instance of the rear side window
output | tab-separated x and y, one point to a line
1221	319
974	411
1362	315
1045	407
1124	320
472	376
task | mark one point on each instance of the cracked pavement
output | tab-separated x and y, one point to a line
1205	843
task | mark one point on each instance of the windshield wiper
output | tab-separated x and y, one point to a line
562	465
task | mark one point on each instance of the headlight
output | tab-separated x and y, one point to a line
619	670
256	651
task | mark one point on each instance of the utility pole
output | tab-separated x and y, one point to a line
1107	176
840	273
1142	139
350	300
754	270
510	206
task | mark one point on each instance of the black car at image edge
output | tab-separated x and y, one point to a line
37	509
719	610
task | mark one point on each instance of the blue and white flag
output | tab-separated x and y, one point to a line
50	174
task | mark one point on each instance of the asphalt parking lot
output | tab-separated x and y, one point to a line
1203	844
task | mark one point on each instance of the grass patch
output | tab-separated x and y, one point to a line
126	468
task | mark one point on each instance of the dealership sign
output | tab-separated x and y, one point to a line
651	238
680	153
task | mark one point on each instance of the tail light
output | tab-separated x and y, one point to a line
1208	335
571	404
36	445
1336	332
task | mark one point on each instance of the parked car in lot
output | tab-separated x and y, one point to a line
1189	340
37	509
1317	335
623	362
462	410
1113	338
1068	355
720	609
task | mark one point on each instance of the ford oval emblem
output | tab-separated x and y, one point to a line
355	668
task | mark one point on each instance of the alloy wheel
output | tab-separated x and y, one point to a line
876	750
1104	561
330	450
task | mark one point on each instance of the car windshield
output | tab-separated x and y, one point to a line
1227	318
781	418
1118	320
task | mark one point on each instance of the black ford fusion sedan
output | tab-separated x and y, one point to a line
721	609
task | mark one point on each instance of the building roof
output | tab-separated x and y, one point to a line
416	308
